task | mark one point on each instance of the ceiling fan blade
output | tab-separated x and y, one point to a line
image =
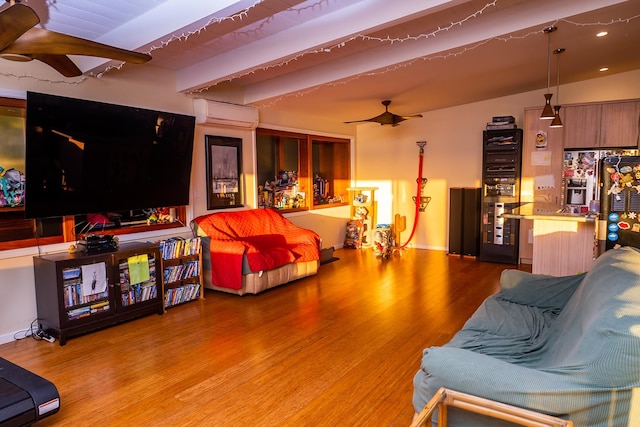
384	118
373	119
14	22
388	118
37	41
60	63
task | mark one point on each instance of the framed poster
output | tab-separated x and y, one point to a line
224	172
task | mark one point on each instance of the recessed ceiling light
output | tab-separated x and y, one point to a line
604	69
602	33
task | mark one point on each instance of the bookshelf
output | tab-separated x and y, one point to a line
77	292
181	261
363	206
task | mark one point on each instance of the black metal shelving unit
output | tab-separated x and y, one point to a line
502	161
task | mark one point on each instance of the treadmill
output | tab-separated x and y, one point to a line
24	396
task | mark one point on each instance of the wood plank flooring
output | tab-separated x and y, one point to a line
336	349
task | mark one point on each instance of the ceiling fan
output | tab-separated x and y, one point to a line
388	118
20	40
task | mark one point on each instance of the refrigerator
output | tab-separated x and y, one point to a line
581	178
620	201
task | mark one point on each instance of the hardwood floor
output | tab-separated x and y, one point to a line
336	349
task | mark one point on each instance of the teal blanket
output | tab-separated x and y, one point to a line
565	346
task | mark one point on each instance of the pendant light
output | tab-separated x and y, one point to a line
547	112
557	123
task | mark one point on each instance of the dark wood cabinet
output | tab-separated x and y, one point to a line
181	261
77	293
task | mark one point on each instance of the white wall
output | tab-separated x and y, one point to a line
388	157
147	88
152	89
329	223
384	157
198	168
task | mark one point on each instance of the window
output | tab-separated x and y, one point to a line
15	230
300	171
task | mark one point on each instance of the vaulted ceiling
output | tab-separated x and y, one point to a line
338	59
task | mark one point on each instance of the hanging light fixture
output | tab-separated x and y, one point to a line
547	112
557	123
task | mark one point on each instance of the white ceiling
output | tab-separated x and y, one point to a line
337	59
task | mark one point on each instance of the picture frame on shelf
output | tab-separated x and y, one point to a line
224	172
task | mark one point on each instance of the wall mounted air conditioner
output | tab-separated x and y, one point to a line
215	113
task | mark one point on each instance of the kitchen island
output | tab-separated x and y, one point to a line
563	243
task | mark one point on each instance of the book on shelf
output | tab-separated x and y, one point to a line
177	247
73	295
175	296
80	312
139	293
178	272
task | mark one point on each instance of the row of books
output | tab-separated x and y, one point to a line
181	271
73	294
139	293
80	312
175	296
179	247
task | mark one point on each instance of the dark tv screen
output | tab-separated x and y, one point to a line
87	157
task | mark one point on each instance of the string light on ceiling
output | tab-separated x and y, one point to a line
394	40
41	80
360	37
340	44
443	56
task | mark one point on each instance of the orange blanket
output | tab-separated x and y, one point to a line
264	236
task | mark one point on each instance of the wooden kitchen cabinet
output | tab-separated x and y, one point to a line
581	126
620	124
611	124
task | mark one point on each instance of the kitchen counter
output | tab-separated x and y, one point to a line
541	211
563	243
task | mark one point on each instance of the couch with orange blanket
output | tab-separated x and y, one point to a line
250	251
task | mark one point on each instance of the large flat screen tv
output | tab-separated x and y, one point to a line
87	157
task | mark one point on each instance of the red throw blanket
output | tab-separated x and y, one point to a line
268	240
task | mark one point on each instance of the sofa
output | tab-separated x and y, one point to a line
250	251
564	346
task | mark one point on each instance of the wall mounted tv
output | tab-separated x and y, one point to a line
87	157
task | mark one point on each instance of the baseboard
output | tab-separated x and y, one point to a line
6	338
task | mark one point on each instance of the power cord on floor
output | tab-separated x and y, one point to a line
33	332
